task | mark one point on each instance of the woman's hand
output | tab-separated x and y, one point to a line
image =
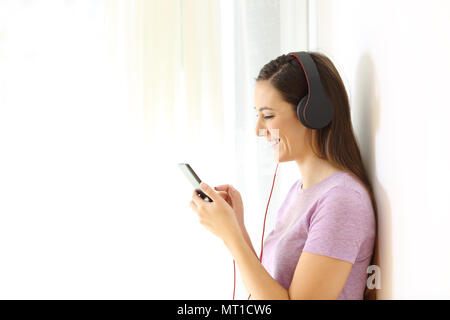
217	216
234	199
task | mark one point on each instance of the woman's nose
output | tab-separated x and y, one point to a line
260	130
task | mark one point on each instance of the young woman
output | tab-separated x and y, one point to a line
324	234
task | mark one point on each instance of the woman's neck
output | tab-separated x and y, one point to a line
313	170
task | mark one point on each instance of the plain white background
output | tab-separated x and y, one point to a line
91	207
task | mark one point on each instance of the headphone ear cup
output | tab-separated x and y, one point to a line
300	108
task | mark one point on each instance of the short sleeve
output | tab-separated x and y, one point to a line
338	226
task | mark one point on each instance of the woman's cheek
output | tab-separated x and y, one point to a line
275	127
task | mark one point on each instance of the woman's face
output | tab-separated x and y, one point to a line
276	119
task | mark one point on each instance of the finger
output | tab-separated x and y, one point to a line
225	196
210	192
193	205
230	190
196	198
224	187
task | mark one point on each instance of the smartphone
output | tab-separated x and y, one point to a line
194	180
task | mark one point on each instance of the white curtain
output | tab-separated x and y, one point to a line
264	29
99	100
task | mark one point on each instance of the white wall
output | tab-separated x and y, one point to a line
394	58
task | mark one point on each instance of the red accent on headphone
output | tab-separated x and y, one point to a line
309	92
262	238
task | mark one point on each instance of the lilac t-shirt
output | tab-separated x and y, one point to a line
334	218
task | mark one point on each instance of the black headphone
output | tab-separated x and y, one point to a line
314	110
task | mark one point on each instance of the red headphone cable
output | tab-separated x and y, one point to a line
262	238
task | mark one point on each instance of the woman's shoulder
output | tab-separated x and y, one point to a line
347	195
346	184
341	189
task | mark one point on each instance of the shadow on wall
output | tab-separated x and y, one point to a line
367	110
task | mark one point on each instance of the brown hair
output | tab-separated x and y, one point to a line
336	142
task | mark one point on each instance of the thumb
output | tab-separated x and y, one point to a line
209	191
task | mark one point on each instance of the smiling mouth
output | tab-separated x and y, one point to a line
275	143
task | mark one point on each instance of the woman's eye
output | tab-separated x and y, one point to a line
265	117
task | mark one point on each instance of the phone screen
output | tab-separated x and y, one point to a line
193	179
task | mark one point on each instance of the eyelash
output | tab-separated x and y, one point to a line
266	117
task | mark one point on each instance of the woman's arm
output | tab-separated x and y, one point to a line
247	239
316	276
258	282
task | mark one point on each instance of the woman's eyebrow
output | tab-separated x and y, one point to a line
263	108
